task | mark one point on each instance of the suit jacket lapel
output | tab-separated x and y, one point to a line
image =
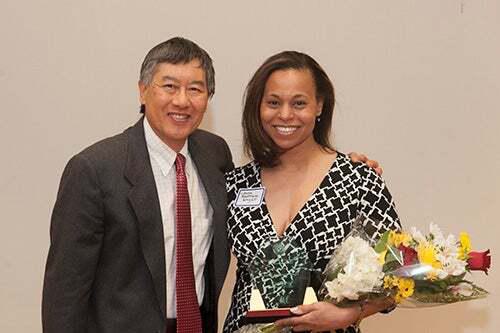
212	178
144	200
215	187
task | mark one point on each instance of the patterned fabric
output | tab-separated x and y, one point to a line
188	311
348	190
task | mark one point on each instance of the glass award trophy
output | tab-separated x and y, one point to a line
280	274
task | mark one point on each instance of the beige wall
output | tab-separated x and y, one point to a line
418	86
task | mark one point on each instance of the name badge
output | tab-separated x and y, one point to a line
250	197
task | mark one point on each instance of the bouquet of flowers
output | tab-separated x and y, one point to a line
414	269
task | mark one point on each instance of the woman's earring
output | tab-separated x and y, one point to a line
318	119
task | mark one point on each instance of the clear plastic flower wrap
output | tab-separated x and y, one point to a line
353	273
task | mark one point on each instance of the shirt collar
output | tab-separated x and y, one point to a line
161	152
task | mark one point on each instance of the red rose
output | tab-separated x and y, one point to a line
409	255
479	261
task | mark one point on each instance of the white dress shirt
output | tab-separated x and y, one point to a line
163	163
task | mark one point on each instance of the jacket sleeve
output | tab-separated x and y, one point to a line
229	165
76	235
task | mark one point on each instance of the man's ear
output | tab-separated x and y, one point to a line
142	92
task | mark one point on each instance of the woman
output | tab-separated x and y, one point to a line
312	192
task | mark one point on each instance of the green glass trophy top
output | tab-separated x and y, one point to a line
281	272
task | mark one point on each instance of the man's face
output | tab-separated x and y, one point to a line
175	101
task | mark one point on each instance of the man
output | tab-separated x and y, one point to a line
112	264
122	220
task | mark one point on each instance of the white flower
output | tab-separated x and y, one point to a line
452	266
437	233
361	272
417	235
447	253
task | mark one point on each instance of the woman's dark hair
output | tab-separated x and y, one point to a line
257	144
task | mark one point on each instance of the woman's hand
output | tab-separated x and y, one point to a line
320	316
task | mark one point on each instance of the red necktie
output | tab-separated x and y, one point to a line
188	310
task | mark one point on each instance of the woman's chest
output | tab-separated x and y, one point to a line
319	227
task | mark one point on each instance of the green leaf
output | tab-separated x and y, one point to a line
394	253
382	242
390	266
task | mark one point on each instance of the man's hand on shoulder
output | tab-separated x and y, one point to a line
356	157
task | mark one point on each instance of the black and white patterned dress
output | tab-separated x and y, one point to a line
320	226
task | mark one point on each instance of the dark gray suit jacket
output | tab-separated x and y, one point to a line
106	264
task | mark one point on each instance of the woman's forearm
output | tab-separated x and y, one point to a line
374	306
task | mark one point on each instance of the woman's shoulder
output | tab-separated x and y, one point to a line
248	169
244	176
347	166
348	173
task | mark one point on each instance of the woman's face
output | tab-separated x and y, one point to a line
289	108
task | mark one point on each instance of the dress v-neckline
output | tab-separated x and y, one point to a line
267	213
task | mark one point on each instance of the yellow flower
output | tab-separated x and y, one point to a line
388	282
402	287
398	238
427	255
392	282
406	287
432	275
390	240
381	257
465	246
